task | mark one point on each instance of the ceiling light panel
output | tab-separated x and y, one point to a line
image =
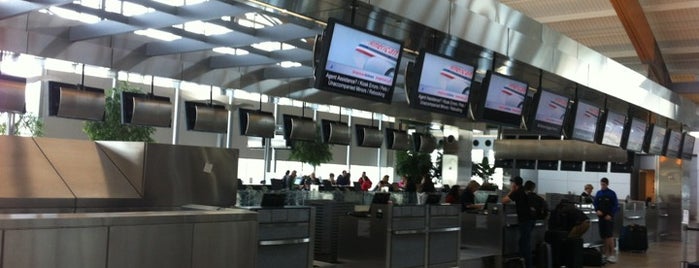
158	34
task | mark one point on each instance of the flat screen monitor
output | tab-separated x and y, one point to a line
381	198
549	112
612	128
433	199
585	121
673	143
444	84
687	146
634	135
273	200
358	62
492	199
655	140
502	99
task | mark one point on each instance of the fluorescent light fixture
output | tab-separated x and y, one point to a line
73	15
204	28
231	51
270	46
289	64
179	3
158	34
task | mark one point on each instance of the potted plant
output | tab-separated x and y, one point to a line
111	128
26	125
313	153
485	171
414	165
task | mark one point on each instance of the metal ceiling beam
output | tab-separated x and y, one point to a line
14	7
235	39
119	24
641	35
231	61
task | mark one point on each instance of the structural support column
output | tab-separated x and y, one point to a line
176	112
633	18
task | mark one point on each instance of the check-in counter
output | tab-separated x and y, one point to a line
176	238
401	236
490	235
443	236
285	236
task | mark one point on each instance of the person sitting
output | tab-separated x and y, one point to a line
468	197
453	195
383	183
364	182
343	179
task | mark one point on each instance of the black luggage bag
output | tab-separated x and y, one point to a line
592	257
543	255
633	238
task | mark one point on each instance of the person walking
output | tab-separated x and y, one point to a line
606	205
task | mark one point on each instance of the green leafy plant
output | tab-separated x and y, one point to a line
414	165
313	153
485	171
111	128
26	125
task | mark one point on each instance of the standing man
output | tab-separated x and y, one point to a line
524	218
606	205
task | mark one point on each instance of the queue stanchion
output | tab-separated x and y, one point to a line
684	263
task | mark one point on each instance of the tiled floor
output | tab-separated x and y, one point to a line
666	254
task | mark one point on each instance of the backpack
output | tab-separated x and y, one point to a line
538	208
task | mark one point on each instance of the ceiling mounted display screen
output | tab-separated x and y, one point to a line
613	130
299	128
550	111
655	140
335	132
444	84
368	136
673	143
397	139
256	123
12	94
585	122
687	146
358	62
69	101
145	110
424	143
634	135
502	99
206	117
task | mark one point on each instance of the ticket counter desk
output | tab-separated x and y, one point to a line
490	236
285	236
400	236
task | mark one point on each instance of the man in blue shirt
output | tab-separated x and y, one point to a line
606	205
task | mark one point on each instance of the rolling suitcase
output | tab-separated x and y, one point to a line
572	253
543	255
514	262
633	238
592	257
